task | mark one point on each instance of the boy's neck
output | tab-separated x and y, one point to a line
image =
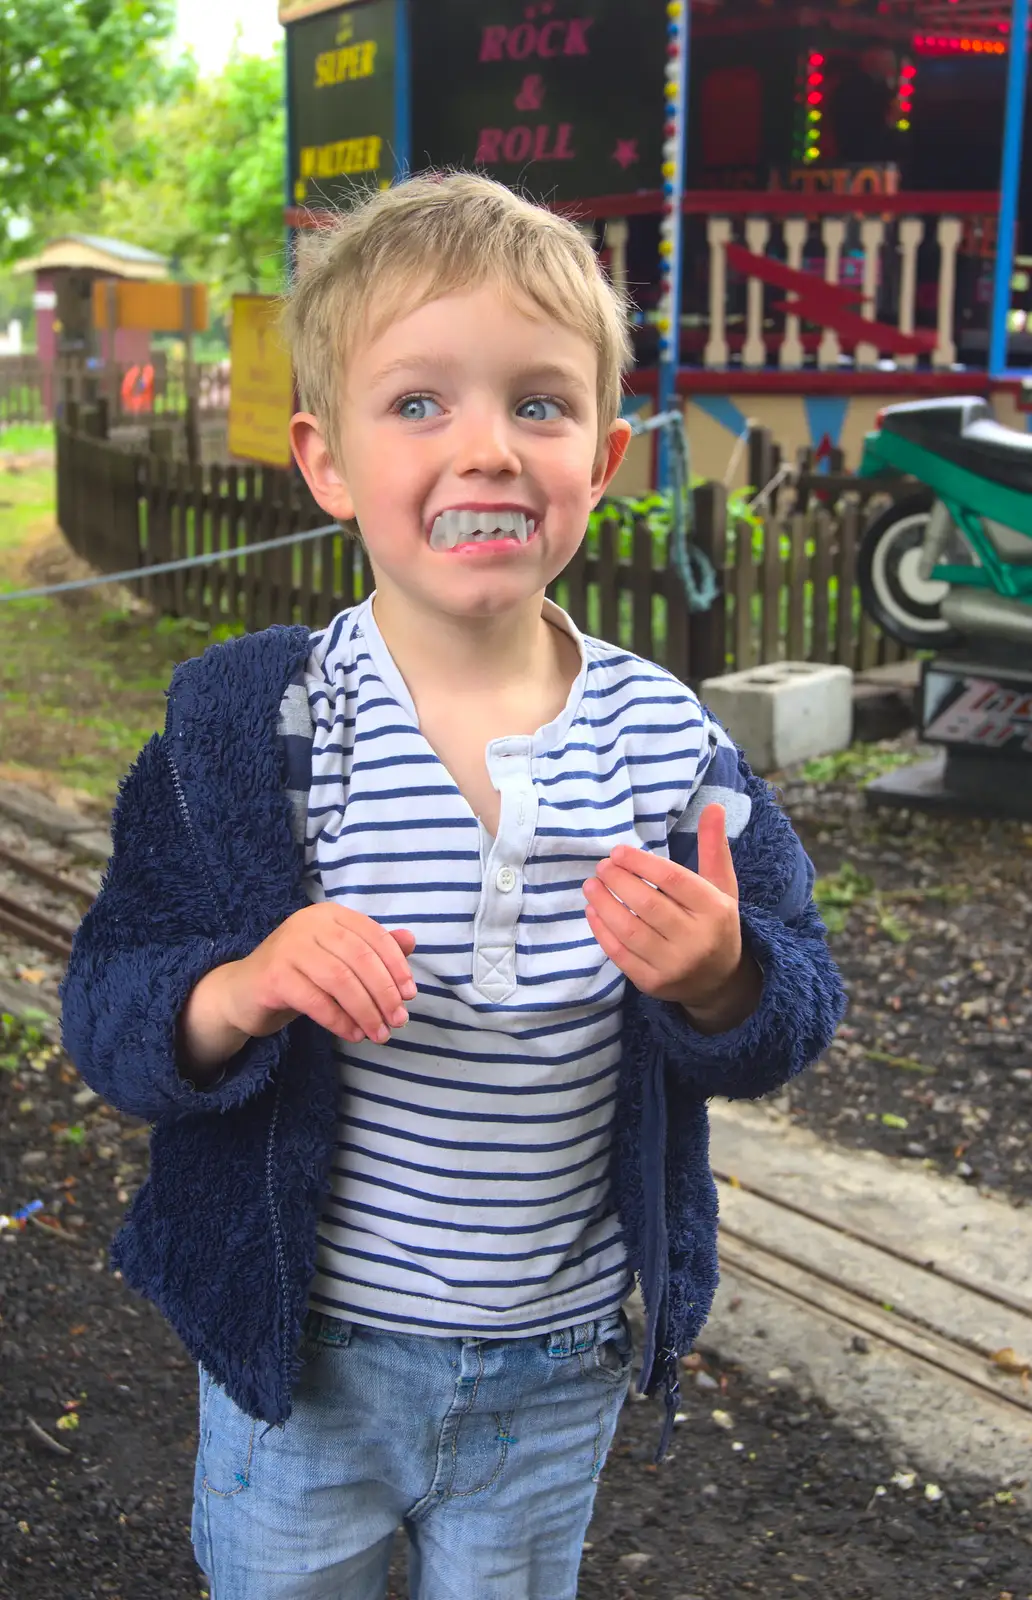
472	658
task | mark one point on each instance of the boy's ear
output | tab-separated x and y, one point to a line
329	487
613	450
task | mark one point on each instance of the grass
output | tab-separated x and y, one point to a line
22	438
859	764
82	680
840	893
26	506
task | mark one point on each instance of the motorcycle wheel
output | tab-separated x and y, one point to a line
904	604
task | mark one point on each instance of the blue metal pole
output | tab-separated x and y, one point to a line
402	91
1010	184
675	109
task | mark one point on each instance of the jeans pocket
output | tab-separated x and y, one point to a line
227	1439
614	1348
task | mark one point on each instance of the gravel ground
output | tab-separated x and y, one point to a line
932	929
931	920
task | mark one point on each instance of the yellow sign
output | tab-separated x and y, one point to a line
345	63
159	307
294	10
261	387
331	160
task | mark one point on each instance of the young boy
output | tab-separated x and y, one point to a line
423	946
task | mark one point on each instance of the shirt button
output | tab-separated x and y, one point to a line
506	879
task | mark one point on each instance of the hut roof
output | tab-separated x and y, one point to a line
88	251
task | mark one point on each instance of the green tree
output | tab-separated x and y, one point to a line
68	69
235	175
198	177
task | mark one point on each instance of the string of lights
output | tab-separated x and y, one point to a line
813	104
673	179
668	320
930	44
905	95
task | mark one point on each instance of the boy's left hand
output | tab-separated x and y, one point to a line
680	940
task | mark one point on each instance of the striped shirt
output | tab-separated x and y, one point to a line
470	1188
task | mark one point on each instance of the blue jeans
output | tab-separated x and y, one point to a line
486	1451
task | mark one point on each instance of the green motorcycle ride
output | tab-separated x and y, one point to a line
951	560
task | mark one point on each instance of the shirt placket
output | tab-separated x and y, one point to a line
501	896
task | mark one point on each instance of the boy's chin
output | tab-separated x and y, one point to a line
484	593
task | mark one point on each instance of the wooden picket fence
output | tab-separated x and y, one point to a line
23	396
787	587
34	391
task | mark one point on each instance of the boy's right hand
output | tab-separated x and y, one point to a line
337	966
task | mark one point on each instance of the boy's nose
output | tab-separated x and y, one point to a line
485	444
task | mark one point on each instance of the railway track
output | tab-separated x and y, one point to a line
853	1295
41	929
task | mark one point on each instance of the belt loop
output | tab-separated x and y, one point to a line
584	1336
559	1342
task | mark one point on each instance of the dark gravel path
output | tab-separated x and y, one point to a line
772	1498
933	932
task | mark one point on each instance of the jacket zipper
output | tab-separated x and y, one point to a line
281	1272
177	784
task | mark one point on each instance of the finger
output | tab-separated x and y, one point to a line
715	863
689	890
362	983
388	945
634	933
337	980
633	966
654	909
313	1002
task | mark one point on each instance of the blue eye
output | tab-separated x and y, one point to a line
544	409
414	407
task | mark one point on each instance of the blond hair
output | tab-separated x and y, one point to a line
402	247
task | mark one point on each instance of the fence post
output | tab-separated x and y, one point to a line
707	648
192	431
845	632
804	467
762	453
161	441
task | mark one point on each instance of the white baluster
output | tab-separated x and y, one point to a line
949	234
833	232
911	232
794	232
616	243
872	237
718	235
754	351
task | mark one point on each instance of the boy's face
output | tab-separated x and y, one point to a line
466	410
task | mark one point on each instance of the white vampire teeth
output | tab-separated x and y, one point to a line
453	528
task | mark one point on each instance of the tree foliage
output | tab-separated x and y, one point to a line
198	177
68	69
235	176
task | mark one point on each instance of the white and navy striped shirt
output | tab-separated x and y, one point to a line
470	1184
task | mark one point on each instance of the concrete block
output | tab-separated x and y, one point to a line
786	712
